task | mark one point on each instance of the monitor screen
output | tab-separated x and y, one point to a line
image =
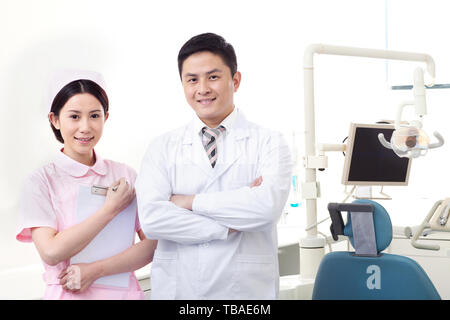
367	162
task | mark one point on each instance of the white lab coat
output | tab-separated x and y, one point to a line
196	258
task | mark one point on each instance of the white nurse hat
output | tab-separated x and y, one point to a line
61	78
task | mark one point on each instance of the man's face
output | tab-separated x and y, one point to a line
209	86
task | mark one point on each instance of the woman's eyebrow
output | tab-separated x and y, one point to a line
77	111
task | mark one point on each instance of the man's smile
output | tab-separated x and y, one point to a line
206	101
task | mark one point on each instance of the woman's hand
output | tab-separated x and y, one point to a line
78	278
119	196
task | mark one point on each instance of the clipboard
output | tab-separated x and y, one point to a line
116	236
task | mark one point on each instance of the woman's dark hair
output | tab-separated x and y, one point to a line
208	42
71	89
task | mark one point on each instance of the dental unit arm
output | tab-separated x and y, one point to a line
312	247
411	141
436	220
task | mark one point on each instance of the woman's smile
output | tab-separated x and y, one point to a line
84	140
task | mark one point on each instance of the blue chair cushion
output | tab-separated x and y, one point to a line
344	276
381	222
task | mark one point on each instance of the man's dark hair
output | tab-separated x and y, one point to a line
71	89
208	42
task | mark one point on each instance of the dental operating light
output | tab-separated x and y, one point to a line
410	140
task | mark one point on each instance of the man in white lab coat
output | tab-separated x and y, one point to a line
212	191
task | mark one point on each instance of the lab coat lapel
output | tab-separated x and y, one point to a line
232	148
193	150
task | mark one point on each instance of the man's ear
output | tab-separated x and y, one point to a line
54	119
236	80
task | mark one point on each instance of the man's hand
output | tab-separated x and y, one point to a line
182	201
257	182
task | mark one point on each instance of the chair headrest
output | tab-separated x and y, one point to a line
381	222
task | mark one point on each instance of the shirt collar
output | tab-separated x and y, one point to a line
77	169
236	125
227	122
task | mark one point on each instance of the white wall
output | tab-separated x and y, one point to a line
135	45
422	26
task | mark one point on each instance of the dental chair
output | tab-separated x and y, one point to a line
368	273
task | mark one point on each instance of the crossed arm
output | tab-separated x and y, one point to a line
192	219
186	201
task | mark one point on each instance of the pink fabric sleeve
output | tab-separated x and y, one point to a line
35	208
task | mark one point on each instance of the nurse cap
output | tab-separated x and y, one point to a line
60	79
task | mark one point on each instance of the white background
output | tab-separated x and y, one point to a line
135	45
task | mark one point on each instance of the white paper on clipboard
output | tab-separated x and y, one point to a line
116	236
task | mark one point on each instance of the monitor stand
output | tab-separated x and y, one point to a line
365	192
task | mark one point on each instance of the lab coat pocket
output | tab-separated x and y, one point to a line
237	184
164	275
255	278
241	176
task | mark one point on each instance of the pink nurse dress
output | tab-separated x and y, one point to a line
49	199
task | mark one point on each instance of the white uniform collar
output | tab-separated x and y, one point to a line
235	123
227	122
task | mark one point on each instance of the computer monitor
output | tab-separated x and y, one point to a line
368	163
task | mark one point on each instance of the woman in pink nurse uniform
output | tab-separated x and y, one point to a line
49	198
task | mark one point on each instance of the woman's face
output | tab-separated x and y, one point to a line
81	122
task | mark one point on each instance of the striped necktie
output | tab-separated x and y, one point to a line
210	142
